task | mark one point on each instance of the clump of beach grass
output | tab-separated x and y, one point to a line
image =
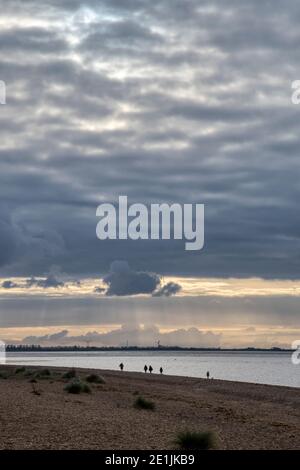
95	379
43	374
196	440
142	403
29	373
20	370
76	387
70	374
3	375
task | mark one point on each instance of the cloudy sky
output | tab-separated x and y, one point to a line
181	101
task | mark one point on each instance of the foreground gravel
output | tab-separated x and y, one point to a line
243	416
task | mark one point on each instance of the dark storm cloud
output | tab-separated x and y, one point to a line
165	101
99	290
9	284
121	280
171	288
7	242
124	281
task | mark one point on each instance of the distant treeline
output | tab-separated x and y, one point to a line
39	348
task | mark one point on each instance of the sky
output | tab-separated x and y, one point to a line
176	101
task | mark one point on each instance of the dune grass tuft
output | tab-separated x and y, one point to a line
29	373
20	370
143	404
43	374
196	440
70	374
95	379
76	387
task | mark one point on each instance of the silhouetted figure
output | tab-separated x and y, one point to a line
145	368
121	366
207	374
161	370
150	369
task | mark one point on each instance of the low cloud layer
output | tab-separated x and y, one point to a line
49	281
263	321
134	336
52	280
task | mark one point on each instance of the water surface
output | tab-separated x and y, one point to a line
274	368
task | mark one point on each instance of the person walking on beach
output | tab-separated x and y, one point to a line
150	369
161	370
121	366
207	374
145	368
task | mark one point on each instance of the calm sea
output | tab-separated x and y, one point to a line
274	368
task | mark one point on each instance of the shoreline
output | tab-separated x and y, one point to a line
240	374
85	370
242	415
